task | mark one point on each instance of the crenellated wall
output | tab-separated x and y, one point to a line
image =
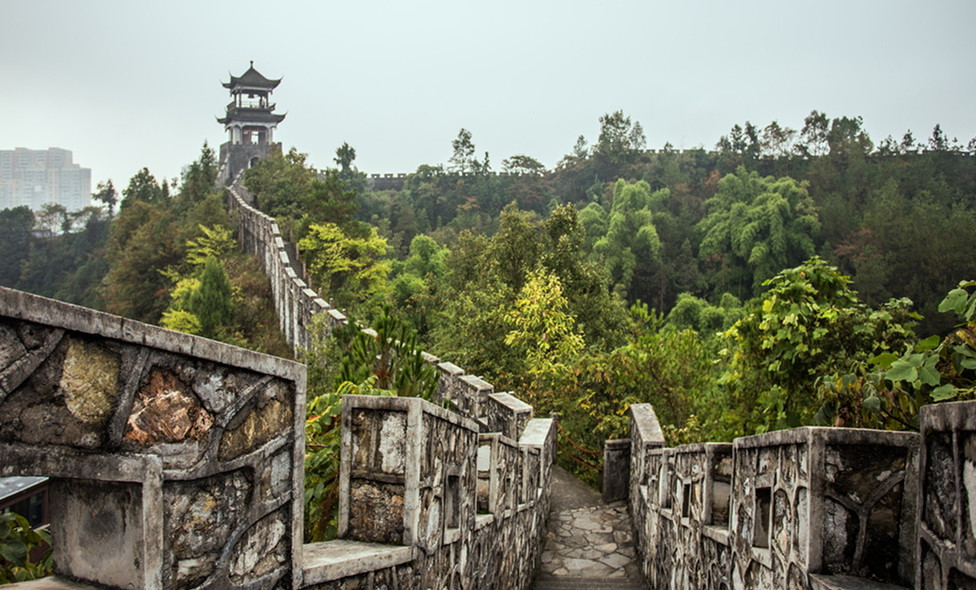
809	507
178	462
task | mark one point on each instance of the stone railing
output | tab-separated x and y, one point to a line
411	512
808	507
178	462
175	461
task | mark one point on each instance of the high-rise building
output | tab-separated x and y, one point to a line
37	177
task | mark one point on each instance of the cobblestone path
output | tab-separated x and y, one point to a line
589	544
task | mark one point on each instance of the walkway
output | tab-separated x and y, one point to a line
589	544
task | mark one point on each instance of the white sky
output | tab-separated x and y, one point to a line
126	84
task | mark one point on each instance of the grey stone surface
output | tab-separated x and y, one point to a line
129	425
773	510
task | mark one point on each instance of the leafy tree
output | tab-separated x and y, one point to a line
417	281
813	136
544	332
54	218
777	141
144	188
618	146
631	244
345	154
106	193
346	268
142	242
755	227
463	158
211	302
280	182
807	324
15	242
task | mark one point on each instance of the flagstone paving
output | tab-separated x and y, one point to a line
589	544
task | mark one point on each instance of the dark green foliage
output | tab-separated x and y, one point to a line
17	540
15	242
387	356
808	324
211	303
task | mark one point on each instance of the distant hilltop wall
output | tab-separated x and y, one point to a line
460	497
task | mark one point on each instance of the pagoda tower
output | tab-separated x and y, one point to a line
250	122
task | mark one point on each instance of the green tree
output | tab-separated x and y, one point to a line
15	242
417	280
544	332
346	268
144	188
807	324
463	158
345	154
211	303
618	146
631	246
107	195
754	228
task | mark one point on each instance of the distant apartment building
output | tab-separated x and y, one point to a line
37	177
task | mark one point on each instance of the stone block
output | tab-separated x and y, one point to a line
616	470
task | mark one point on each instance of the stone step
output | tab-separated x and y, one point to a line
572	583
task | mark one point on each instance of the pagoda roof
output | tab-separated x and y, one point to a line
251	116
252	79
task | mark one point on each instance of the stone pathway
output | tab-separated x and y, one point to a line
589	544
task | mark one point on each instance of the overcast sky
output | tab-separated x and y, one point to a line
127	84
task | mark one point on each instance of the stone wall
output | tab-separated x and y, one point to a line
809	507
409	504
178	462
294	301
173	459
947	506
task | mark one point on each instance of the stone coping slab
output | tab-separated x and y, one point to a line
334	560
822	582
509	400
404	404
829	435
947	416
644	419
536	432
50	583
34	308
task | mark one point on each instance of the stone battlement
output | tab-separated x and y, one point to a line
807	507
178	462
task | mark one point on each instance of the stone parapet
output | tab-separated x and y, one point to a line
409	501
772	510
946	549
173	459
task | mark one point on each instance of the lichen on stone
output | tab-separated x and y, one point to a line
89	380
